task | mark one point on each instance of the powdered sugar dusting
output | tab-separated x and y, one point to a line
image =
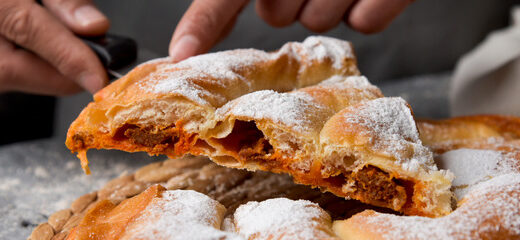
492	209
321	48
472	166
282	218
181	78
359	82
391	123
181	86
181	214
294	109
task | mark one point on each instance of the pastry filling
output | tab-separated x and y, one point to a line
370	184
247	144
157	140
373	185
148	136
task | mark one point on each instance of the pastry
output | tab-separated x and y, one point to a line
236	108
164	108
375	147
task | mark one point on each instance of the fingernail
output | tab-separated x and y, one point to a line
185	47
88	14
91	83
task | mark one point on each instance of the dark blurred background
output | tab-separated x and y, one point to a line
427	38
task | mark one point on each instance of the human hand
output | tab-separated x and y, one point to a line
41	54
208	21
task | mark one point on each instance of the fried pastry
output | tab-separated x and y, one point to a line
164	108
301	110
374	150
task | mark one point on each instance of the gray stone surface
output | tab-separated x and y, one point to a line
40	177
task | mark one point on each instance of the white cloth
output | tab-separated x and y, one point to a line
487	80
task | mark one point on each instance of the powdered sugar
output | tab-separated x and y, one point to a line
472	166
182	85
181	78
321	48
346	82
181	214
282	218
390	122
294	109
492	206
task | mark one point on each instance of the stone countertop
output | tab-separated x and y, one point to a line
40	177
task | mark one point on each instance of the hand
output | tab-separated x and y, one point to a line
41	54
208	21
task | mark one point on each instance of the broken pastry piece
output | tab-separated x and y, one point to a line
301	110
165	108
372	152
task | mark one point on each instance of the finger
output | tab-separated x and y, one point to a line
227	29
23	71
202	25
30	26
323	15
279	13
81	16
371	16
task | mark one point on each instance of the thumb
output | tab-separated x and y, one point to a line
202	26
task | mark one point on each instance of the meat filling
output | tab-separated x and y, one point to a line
258	151
372	185
148	137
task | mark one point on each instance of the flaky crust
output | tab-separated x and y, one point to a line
283	112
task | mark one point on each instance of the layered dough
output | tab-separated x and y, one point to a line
300	110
